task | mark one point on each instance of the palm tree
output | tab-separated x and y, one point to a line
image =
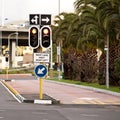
108	12
104	21
81	33
63	29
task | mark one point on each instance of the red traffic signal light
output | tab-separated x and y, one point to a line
34	37
46	37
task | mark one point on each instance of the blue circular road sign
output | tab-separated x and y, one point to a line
40	71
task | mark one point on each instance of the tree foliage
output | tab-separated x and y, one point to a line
82	32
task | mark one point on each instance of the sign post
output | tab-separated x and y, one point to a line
40	72
41	89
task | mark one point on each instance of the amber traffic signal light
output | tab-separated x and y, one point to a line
34	37
46	37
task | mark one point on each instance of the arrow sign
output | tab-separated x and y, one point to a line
45	19
40	71
34	19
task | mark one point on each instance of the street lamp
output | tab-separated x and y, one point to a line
2	18
15	33
107	61
58	6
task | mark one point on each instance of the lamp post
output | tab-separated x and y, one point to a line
107	61
15	33
58	6
2	18
59	49
0	43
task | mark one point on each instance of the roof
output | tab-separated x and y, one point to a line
19	29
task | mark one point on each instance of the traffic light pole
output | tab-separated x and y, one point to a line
41	88
41	84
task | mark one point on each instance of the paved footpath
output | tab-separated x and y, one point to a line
66	93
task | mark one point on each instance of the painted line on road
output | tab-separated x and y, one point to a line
1	117
88	101
90	115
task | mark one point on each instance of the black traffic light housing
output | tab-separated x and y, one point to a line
46	37
6	59
34	37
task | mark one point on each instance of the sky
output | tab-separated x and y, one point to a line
14	10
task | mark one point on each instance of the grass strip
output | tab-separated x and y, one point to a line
95	85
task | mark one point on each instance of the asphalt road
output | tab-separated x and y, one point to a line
10	109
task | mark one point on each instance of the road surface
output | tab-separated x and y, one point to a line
10	109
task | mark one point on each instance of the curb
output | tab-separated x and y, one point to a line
46	99
15	92
89	88
22	99
36	101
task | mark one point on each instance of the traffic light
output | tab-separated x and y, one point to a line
34	37
46	37
6	59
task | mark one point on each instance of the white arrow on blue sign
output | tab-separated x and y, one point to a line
40	71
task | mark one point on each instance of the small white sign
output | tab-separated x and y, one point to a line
58	50
41	57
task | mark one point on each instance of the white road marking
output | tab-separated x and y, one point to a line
1	117
90	115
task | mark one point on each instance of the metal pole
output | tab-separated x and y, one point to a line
41	85
51	67
107	62
16	33
41	90
6	73
0	43
58	6
51	60
59	61
11	35
59	49
2	21
16	43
